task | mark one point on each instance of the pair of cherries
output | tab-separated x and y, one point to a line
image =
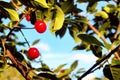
40	27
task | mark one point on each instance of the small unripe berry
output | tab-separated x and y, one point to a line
27	17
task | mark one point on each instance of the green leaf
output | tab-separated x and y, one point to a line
102	14
90	39
115	70
13	15
74	65
59	67
64	74
42	3
36	41
59	18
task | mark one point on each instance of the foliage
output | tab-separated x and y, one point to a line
61	15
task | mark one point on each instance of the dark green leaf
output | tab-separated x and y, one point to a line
33	17
90	39
73	32
107	70
80	47
67	6
61	32
46	75
97	50
92	7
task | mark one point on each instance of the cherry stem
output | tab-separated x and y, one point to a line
25	38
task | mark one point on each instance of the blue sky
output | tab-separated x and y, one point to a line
56	51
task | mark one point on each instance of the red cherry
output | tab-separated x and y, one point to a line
33	53
27	17
62	71
40	26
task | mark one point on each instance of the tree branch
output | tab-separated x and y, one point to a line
115	36
100	61
17	6
97	32
17	65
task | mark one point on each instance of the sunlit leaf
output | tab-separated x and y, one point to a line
65	73
13	15
12	73
102	14
107	9
59	18
115	61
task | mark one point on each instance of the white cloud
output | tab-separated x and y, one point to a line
89	77
43	46
84	57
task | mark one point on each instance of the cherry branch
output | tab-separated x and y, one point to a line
99	62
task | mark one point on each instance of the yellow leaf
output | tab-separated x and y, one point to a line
59	18
42	3
102	14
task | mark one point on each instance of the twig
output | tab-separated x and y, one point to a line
100	61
